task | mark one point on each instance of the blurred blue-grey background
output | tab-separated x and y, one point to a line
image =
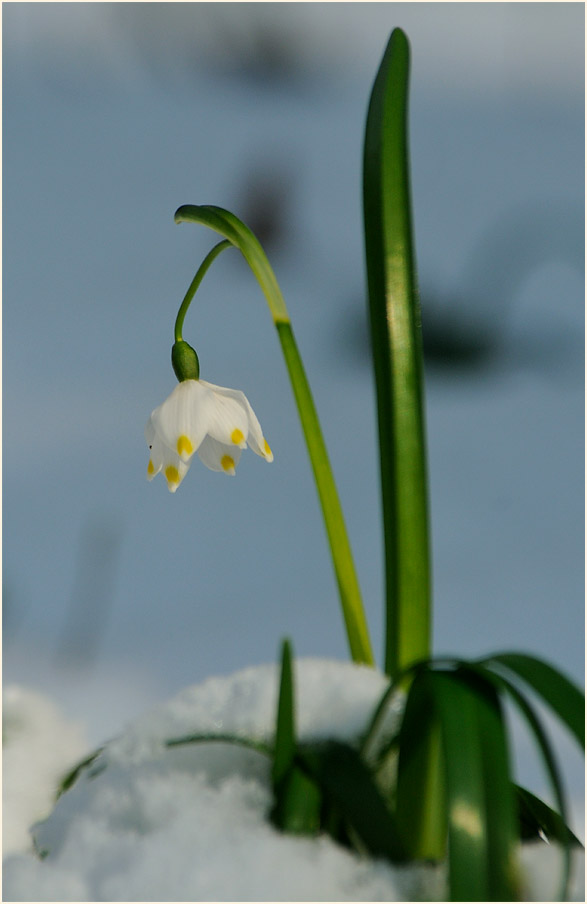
117	593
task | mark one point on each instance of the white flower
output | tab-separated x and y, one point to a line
216	423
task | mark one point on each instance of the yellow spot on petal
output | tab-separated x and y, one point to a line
184	446
150	468
238	437
267	448
172	474
227	463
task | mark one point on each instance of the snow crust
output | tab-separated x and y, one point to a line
150	823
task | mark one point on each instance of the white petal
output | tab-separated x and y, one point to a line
228	419
219	456
182	420
161	457
174	469
156	450
150	432
255	437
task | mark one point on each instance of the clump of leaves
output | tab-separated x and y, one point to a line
453	795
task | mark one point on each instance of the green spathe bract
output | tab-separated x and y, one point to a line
185	361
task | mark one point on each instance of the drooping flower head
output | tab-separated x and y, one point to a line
215	422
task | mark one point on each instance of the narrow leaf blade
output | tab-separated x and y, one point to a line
285	741
481	822
548	758
556	690
420	796
538	820
500	810
297	799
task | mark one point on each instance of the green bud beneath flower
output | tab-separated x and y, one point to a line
185	361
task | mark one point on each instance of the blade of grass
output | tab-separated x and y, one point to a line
396	343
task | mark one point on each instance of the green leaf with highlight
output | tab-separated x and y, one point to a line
481	815
397	355
463	711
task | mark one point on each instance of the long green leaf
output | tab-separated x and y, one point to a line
228	225
397	355
500	809
421	794
481	815
221	738
545	748
462	711
556	690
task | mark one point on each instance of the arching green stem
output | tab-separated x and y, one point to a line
195	284
239	235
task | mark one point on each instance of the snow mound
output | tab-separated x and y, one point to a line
39	746
150	823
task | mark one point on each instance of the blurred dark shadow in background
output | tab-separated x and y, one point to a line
468	328
90	604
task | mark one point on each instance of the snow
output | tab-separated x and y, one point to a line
39	744
148	823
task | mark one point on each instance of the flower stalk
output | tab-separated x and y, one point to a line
195	284
239	235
